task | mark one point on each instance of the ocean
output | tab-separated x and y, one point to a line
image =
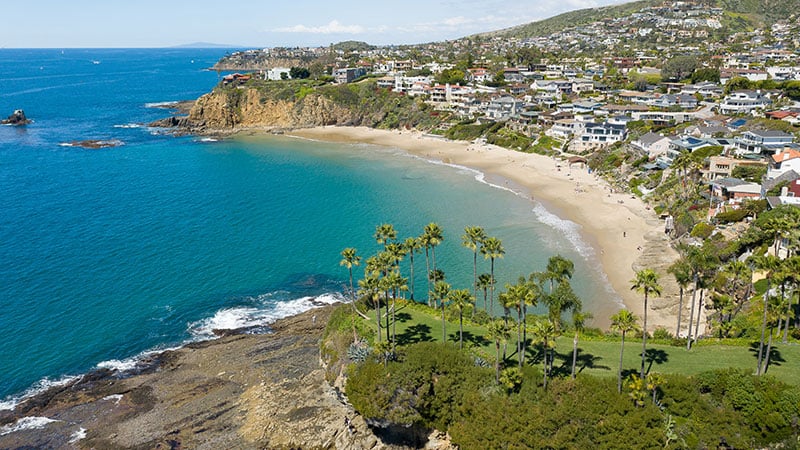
107	254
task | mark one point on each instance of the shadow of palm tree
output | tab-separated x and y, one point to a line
775	357
589	361
402	317
655	356
415	333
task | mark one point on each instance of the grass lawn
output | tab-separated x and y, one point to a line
601	357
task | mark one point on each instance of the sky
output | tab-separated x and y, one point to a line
264	23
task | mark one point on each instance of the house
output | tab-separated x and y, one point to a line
235	78
601	134
726	75
762	142
733	190
348	74
670	101
277	73
782	162
722	166
564	128
502	108
744	102
706	89
680	145
479	75
586	107
580	85
652	144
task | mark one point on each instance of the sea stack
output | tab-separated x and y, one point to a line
17	118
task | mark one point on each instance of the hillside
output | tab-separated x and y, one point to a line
738	15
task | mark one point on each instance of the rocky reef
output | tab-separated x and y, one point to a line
242	391
16	118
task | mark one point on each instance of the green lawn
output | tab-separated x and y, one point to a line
601	357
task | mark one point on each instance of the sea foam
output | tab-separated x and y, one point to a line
249	317
26	423
40	386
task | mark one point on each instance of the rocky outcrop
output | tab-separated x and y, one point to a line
16	118
222	111
241	391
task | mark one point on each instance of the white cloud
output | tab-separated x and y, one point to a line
334	26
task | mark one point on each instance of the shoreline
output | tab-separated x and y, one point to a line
625	235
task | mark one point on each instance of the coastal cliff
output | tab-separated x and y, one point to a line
242	391
282	105
219	111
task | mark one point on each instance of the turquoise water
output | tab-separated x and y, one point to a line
105	254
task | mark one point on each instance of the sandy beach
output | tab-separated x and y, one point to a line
627	236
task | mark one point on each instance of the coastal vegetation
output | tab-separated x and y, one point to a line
506	378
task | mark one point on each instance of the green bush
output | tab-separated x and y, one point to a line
702	230
732	216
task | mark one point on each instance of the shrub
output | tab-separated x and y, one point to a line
702	230
734	215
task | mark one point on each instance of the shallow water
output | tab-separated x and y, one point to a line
108	253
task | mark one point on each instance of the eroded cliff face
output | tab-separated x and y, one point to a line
247	108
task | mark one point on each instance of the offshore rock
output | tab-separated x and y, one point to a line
16	118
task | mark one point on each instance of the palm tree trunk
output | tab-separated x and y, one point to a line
545	364
460	329
644	334
769	350
680	310
520	355
524	330
388	336
394	322
763	329
444	327
497	362
474	275
411	261
691	316
378	317
428	274
619	371
574	353
491	287
699	309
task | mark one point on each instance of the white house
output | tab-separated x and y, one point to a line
762	141
783	162
652	144
743	102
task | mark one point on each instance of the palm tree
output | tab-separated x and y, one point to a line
369	287
429	239
682	272
558	270
646	282
350	259
498	332
623	321
435	237
770	264
395	282
460	298
472	239
492	249
385	233
703	262
412	246
440	291
484	283
561	300
579	319
544	332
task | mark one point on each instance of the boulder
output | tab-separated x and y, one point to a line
17	118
